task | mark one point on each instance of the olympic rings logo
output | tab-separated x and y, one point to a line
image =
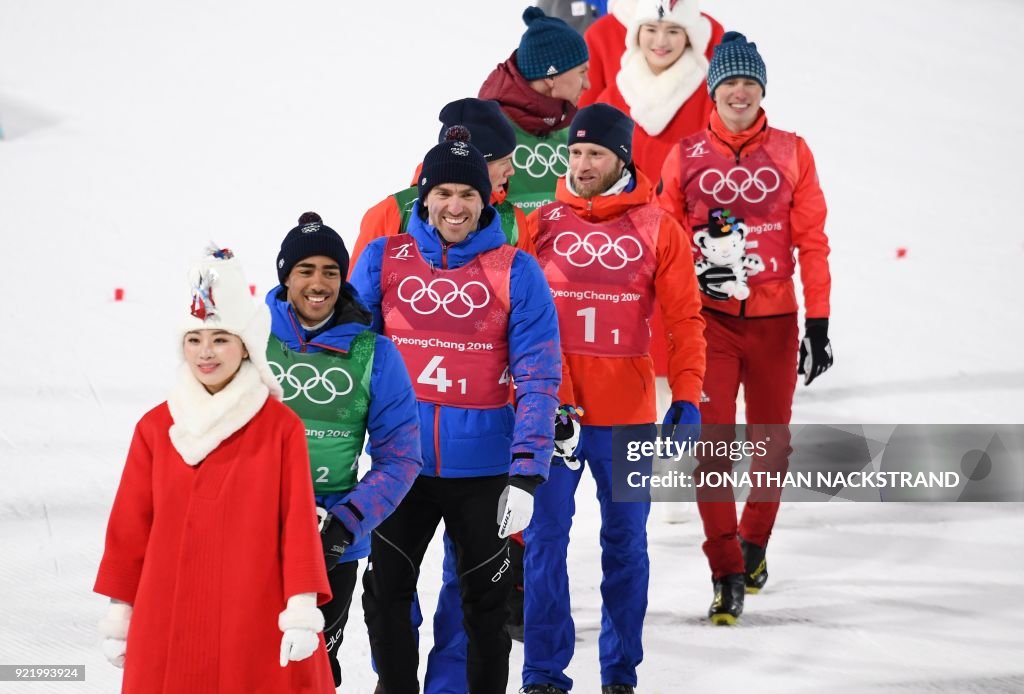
619	251
443	293
307	380
543	160
738	182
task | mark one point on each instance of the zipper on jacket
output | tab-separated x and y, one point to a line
437	439
444	256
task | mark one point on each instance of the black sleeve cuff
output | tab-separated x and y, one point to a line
527	484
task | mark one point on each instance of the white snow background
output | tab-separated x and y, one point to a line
136	132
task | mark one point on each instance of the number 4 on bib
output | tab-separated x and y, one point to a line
434	374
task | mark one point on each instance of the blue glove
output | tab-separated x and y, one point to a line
682	422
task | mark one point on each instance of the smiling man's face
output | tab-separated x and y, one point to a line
454	209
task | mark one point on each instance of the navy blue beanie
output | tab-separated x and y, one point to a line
311	237
455	161
604	125
489	129
549	46
735	57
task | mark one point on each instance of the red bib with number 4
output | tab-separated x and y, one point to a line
601	278
450	326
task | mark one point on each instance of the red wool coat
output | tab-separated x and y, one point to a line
208	556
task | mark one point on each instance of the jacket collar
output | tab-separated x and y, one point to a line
285	326
605	207
743	141
449	256
203	421
526	107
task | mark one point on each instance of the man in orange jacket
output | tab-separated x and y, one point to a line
609	253
749	195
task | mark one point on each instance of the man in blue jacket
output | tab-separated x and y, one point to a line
470	316
345	381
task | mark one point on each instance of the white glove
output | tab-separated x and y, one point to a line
515	509
301	623
114	628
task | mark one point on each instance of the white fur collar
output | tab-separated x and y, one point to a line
202	421
655	99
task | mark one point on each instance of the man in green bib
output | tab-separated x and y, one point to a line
345	382
538	88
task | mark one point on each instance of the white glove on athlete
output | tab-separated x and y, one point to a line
114	630
515	509
301	623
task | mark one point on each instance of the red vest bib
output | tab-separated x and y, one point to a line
759	191
601	278
450	326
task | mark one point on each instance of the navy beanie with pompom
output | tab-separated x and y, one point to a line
735	57
455	161
489	129
549	46
311	237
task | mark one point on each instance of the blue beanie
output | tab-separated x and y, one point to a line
601	124
311	237
490	130
735	57
455	160
549	46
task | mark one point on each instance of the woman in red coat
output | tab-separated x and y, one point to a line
662	85
213	561
661	78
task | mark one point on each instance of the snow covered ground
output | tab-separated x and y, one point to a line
136	132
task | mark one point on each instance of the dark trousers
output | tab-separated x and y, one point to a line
343	583
469	509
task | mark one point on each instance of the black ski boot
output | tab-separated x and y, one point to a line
542	689
755	565
728	603
616	689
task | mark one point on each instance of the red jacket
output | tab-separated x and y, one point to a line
620	390
606	42
208	555
804	220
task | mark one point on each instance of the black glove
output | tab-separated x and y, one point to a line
712	279
815	350
335	538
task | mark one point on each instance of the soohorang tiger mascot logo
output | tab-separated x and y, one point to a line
723	244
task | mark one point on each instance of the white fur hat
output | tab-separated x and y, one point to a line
221	300
685	13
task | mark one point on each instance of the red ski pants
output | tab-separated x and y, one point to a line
761	354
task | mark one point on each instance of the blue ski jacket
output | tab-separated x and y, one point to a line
392	425
483	442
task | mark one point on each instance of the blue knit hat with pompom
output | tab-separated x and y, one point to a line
735	57
549	46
